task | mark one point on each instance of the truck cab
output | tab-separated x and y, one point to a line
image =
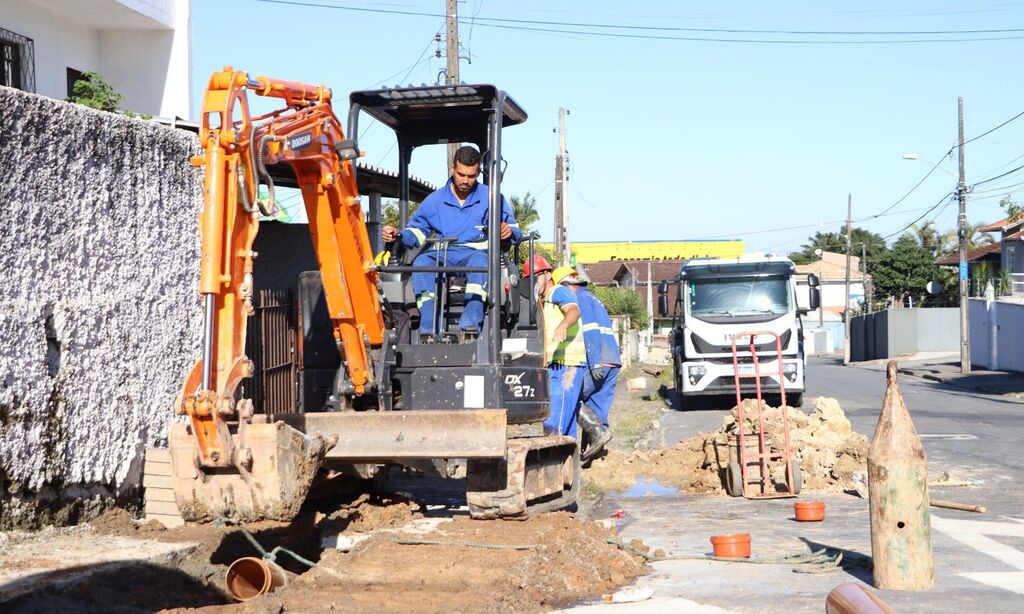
717	301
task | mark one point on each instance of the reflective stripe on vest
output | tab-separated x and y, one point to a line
572	351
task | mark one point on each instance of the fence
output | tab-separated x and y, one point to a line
996	330
895	332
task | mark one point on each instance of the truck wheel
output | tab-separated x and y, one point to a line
679	390
734	479
795	400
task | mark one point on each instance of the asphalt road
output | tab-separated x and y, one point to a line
979	558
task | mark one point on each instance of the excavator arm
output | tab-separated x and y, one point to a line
237	149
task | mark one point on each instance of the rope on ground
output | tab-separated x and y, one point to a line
818	561
465	544
272	555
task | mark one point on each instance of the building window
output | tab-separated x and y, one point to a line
73	75
17	61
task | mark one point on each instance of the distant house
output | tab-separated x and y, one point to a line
831	272
633	274
1006	255
141	47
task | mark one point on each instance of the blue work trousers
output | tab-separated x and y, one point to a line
599	391
425	286
566	387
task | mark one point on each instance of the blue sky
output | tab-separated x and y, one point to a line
681	139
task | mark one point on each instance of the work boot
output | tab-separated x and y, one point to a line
426	338
469	334
597	434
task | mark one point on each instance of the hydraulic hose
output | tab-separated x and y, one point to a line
270	208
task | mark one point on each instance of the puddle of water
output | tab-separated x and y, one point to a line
649	487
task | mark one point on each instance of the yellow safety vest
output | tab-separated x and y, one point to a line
572	351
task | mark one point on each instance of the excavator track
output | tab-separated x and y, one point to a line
537	474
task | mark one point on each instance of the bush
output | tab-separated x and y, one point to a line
623	301
93	91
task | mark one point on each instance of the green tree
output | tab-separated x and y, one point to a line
930	238
93	91
836	242
623	301
975	238
1012	208
903	271
389	215
525	210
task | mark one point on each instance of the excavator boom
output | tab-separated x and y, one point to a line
306	135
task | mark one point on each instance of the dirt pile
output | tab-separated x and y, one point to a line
472	566
824	441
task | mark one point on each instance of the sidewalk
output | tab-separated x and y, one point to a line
945	369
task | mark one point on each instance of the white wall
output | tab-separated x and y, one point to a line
141	48
833	296
58	43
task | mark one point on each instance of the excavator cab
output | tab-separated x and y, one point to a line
510	345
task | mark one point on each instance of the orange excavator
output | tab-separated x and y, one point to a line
464	407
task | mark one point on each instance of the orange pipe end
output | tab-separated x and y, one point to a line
251	577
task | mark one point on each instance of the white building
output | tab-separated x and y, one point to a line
831	272
141	47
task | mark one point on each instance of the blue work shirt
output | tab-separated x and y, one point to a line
598	335
441	213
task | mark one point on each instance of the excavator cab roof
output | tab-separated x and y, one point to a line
432	114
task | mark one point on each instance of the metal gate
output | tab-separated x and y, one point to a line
273	387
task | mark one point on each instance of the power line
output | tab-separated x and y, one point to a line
987	132
741	40
1009	172
508	24
944	199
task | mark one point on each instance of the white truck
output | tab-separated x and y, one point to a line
718	299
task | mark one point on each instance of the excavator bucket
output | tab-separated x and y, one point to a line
274	469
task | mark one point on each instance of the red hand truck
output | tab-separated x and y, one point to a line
739	482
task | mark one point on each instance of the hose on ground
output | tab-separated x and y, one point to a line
272	555
818	561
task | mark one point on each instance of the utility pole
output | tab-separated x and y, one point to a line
452	50
562	246
846	311
865	282
961	190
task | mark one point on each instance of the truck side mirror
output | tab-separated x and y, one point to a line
663	287
813	282
815	298
662	304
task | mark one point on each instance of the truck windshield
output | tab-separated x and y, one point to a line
732	297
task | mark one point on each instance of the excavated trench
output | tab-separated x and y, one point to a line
415	551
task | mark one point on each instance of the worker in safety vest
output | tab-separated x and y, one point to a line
564	352
459	210
603	361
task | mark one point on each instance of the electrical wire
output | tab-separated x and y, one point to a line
943	200
509	24
987	132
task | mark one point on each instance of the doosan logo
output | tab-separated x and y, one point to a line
301	140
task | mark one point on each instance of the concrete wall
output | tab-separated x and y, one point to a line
99	316
141	47
895	332
996	331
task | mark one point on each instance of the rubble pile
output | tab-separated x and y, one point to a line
824	441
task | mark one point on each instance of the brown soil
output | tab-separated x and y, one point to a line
567	560
824	441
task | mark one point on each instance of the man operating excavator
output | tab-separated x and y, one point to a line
459	209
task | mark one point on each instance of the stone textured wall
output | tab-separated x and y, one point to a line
99	316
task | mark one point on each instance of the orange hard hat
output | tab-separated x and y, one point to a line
539	265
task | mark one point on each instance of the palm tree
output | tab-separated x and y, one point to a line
929	237
975	238
525	210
